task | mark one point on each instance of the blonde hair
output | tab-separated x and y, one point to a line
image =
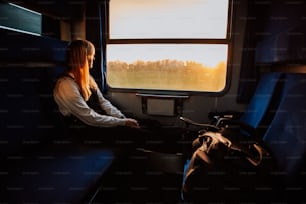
77	53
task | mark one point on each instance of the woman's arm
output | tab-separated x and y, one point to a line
70	101
108	107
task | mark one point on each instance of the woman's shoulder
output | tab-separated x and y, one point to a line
65	77
65	82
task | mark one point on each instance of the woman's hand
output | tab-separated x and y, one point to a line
131	123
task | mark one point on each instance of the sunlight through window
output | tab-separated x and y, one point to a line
170	45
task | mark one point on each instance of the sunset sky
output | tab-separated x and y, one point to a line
174	18
189	19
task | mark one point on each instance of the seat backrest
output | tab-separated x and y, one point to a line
30	115
264	98
286	136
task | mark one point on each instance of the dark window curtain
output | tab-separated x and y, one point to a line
93	21
103	9
248	73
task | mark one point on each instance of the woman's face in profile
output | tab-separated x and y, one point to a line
90	59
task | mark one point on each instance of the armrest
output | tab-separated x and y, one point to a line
225	122
188	121
215	116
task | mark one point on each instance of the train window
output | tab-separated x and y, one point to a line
17	18
173	45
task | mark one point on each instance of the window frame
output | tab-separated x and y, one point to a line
105	39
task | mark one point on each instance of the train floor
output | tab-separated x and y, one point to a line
136	181
148	175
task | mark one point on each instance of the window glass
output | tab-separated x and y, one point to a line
134	19
169	45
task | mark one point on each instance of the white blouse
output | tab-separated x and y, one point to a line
70	102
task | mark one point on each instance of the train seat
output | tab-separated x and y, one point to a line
284	137
282	116
286	134
39	164
255	119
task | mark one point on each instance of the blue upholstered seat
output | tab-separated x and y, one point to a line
55	175
279	106
286	136
261	100
38	162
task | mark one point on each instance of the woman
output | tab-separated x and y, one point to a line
76	89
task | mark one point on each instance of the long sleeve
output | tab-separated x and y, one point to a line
70	101
108	107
